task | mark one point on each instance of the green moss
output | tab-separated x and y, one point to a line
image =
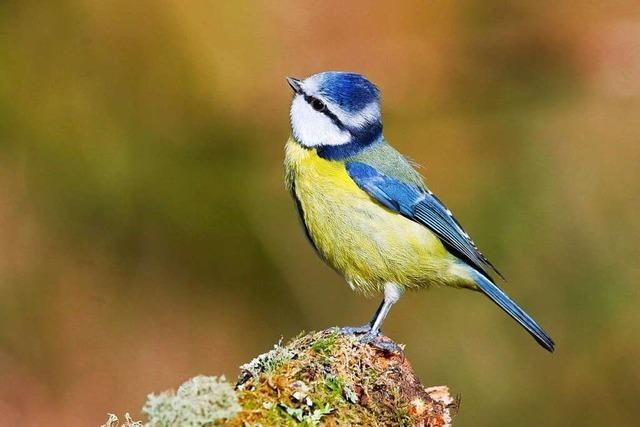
334	386
324	345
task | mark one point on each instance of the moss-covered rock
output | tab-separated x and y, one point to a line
333	379
322	378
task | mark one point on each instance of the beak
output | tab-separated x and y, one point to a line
295	84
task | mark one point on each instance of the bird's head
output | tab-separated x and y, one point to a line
336	112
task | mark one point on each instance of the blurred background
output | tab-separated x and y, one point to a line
146	237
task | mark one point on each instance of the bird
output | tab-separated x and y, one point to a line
367	211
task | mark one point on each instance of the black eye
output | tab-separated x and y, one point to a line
317	104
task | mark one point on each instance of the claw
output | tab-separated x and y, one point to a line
380	343
356	330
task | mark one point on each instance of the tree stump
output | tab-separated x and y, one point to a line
322	378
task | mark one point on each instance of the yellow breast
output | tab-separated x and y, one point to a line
369	244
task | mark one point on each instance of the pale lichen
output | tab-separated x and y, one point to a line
266	362
201	401
113	421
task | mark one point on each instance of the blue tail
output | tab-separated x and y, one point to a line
512	309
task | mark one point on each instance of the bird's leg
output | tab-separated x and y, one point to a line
392	294
364	329
371	331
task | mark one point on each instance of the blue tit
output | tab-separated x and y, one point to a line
367	211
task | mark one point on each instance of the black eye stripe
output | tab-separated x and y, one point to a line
310	99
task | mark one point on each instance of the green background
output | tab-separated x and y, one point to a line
146	237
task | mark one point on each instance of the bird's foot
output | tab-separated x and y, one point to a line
356	330
381	343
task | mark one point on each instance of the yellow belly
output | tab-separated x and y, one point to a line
369	244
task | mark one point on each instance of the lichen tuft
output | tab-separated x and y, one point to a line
113	421
201	401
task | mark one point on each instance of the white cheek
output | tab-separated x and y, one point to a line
312	128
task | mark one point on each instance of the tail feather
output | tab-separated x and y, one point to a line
512	309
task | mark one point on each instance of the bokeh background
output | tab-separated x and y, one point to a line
146	237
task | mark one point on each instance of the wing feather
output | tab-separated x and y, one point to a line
423	207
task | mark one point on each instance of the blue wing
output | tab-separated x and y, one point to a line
421	206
